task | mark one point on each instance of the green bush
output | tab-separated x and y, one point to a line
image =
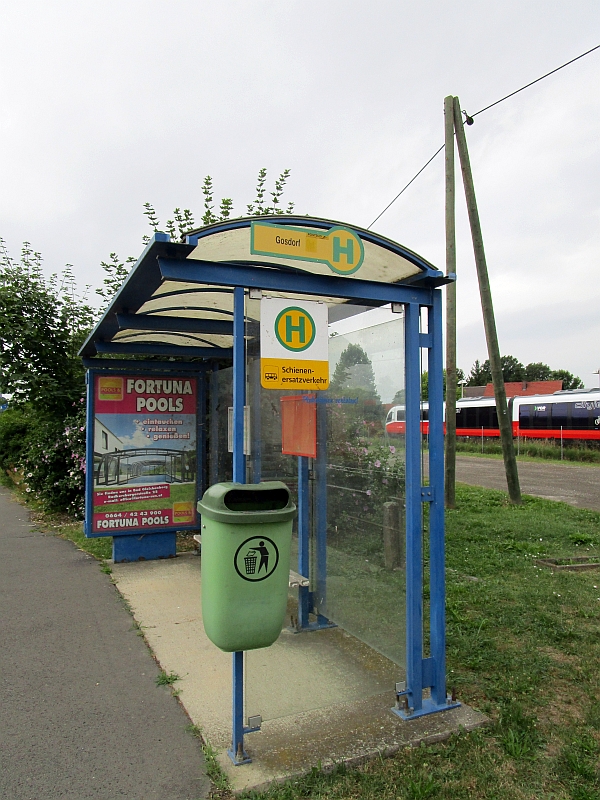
53	462
14	428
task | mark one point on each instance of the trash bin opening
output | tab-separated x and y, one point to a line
252	500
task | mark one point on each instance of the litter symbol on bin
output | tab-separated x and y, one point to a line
256	558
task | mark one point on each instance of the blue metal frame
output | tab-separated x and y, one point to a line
414	554
128	365
213	463
224	274
303	541
237	753
421	672
150	348
130	545
201	422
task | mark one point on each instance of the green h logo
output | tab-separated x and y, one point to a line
347	250
300	328
295	329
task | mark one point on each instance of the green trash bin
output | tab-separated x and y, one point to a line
246	542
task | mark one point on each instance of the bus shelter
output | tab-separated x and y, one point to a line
271	348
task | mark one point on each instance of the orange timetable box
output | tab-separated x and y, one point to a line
299	425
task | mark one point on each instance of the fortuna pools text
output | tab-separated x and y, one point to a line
158	386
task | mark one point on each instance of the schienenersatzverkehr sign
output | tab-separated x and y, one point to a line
293	344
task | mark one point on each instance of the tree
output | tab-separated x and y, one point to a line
43	322
460	376
569	380
512	370
355	371
182	223
537	371
478	375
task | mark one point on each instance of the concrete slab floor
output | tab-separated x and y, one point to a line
324	696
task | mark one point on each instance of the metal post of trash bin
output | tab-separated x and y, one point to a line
303	540
237	752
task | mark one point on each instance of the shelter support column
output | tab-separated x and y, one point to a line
421	672
414	550
237	753
213	456
437	584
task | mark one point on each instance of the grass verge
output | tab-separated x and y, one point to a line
523	647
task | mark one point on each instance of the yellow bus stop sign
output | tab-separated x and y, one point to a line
340	248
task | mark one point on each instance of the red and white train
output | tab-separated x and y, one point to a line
567	415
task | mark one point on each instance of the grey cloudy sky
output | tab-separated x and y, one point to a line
106	106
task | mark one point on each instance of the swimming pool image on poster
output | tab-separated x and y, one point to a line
129	449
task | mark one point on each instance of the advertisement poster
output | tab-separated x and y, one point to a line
145	461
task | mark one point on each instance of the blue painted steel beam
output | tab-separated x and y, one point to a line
155	348
201	436
239	386
414	554
131	365
436	508
237	753
224	274
161	322
213	468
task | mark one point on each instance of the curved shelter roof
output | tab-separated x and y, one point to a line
158	312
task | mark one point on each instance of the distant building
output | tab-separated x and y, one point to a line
515	389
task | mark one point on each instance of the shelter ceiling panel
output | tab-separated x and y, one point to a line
183	339
383	260
168	287
193	300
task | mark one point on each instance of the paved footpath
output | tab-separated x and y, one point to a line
571	483
80	714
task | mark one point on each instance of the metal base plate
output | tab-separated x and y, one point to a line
237	762
429	707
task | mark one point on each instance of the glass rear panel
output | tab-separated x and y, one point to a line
356	518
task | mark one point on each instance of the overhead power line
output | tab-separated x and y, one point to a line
414	178
469	121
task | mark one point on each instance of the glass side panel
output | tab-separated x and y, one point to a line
356	515
364	588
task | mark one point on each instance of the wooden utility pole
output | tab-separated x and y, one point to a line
450	474
508	450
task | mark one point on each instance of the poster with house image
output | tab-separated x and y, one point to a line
145	460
